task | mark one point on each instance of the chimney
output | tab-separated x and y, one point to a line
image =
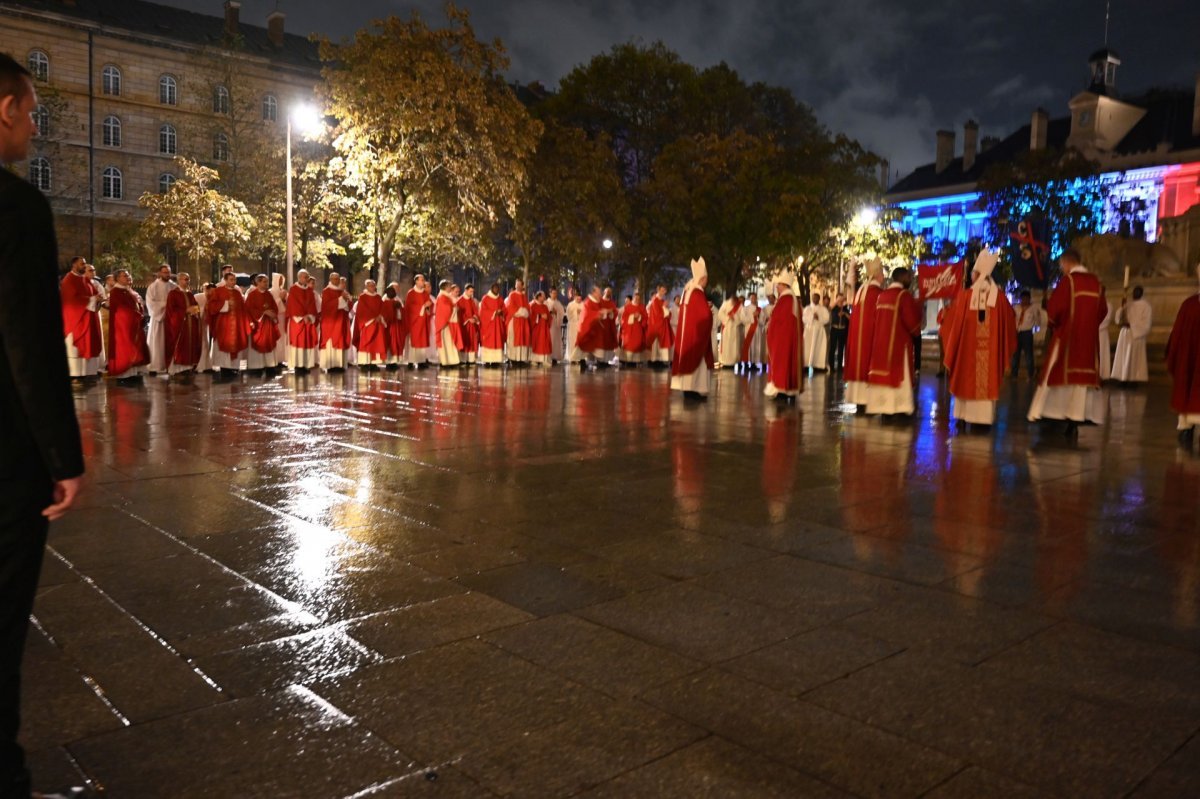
987	143
231	17
945	150
970	140
275	27
1039	127
1196	108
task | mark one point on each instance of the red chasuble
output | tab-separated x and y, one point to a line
978	351
443	319
78	318
748	341
264	331
521	328
861	334
491	322
302	302
126	337
543	344
658	324
370	330
335	321
231	330
1183	357
785	344
416	315
468	315
393	312
1075	310
590	337
897	320
633	334
609	324
693	339
181	330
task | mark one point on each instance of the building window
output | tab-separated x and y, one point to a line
41	118
39	173
165	181
270	108
168	90
220	147
39	64
112	132
220	100
166	140
111	184
110	81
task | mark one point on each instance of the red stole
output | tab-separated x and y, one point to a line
748	341
897	320
491	322
785	344
1075	310
977	353
694	336
861	333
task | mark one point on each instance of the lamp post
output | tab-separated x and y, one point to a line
306	119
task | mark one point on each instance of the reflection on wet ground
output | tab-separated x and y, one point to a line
554	584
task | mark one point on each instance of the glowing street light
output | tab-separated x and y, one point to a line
307	120
607	244
867	216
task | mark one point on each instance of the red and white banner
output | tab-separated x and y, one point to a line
939	281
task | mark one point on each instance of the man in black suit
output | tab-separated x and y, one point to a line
41	462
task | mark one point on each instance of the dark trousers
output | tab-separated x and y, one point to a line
1024	345
837	347
22	542
916	352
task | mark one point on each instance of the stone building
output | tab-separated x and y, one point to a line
125	86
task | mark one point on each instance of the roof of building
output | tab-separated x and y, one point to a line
1168	120
189	27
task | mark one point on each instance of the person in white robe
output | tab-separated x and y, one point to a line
556	318
1134	319
279	292
101	307
156	305
816	341
1106	343
573	312
729	318
756	349
697	383
201	297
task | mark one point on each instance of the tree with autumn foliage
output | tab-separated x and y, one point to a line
195	218
430	138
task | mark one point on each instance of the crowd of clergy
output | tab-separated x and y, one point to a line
872	341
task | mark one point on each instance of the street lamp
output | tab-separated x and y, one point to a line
867	217
607	244
307	120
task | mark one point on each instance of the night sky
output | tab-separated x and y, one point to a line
887	72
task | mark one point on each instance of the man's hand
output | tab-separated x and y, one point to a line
65	492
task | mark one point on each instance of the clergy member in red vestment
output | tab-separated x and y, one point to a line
302	323
446	326
752	342
785	342
633	330
693	362
1183	362
334	344
129	357
468	318
492	328
370	337
542	346
520	333
264	326
397	333
1069	385
979	337
182	332
861	334
591	337
608	322
230	325
890	379
81	320
418	313
659	336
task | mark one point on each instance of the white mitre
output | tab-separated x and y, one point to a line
984	292
874	267
783	276
699	270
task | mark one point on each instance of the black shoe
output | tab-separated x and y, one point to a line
1072	431
583	366
1186	437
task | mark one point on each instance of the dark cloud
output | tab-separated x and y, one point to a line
887	72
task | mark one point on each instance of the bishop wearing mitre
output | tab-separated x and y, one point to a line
785	341
693	362
979	338
861	334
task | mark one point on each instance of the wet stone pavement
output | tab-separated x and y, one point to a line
551	584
